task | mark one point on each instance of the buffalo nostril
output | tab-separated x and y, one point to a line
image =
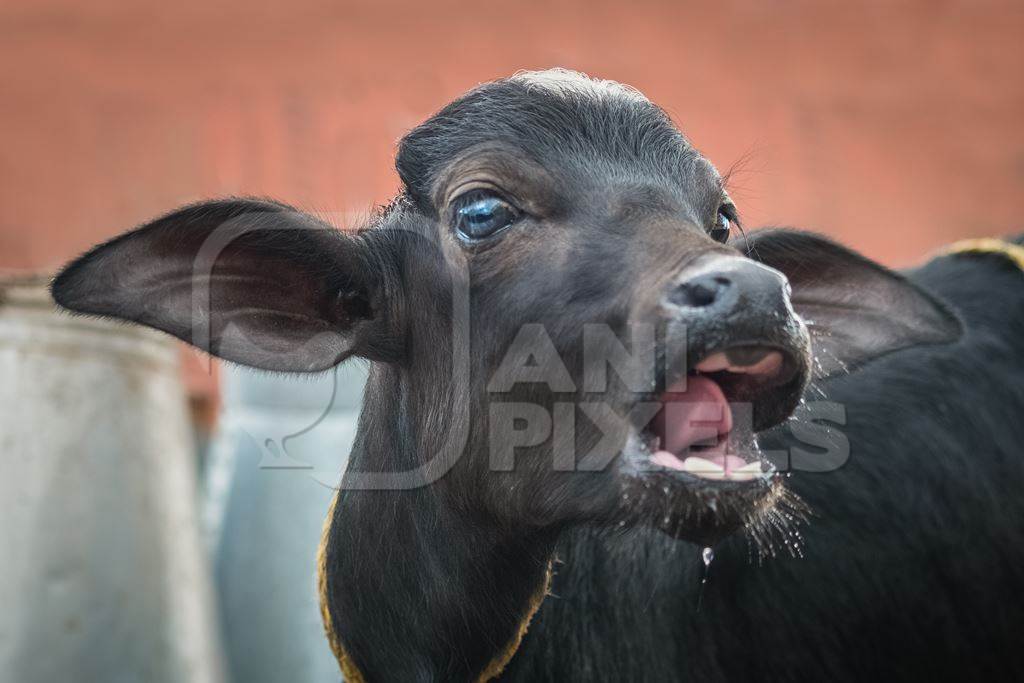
700	292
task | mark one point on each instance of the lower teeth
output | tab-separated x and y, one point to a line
710	470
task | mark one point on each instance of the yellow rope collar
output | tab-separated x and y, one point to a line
987	245
502	659
351	673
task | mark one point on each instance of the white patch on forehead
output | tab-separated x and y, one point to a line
564	82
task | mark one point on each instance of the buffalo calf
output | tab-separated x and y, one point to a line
578	367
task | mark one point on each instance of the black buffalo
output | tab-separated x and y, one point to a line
578	367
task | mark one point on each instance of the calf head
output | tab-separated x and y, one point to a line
557	297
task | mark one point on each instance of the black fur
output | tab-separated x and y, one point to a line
910	565
430	580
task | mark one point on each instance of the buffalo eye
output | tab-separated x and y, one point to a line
481	213
723	223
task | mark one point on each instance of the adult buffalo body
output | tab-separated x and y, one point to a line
573	367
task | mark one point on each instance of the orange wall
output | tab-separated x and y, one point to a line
896	126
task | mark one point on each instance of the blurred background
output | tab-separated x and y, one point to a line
160	514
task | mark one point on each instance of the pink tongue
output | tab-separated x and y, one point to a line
696	412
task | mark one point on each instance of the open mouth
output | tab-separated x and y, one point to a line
705	427
694	470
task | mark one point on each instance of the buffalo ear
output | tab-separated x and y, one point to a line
854	308
250	281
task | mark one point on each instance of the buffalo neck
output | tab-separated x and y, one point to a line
414	586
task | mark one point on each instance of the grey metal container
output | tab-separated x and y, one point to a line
282	445
103	575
